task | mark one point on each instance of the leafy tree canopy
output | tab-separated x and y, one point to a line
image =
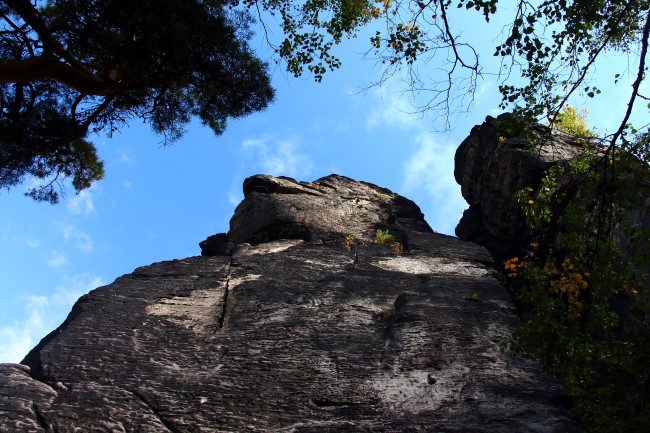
582	288
551	47
72	67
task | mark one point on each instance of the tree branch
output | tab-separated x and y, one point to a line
637	82
452	41
583	73
30	15
48	67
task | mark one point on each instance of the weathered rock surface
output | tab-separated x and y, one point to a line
490	171
281	329
281	208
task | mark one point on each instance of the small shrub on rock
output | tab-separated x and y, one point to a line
383	237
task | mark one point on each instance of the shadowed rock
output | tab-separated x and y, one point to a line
285	330
490	171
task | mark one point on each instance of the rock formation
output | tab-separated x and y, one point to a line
597	224
279	328
490	169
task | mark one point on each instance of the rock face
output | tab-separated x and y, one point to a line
279	328
281	208
490	171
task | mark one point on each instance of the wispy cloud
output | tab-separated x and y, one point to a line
43	314
392	108
82	203
234	198
33	243
82	241
430	169
125	156
57	259
279	157
486	88
428	173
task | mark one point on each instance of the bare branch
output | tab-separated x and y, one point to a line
637	82
453	44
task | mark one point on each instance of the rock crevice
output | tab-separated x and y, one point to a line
226	291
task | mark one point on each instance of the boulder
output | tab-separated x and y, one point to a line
216	245
281	208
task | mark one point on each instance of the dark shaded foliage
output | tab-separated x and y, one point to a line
70	68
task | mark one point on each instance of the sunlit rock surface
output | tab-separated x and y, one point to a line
279	328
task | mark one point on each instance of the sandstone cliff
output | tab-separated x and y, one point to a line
490	170
278	327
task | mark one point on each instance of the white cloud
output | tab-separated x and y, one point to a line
430	169
428	174
392	108
33	243
126	157
234	198
42	315
279	157
82	241
57	259
82	203
494	112
486	87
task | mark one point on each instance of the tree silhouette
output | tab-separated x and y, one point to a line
72	67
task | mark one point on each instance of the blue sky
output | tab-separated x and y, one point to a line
156	203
